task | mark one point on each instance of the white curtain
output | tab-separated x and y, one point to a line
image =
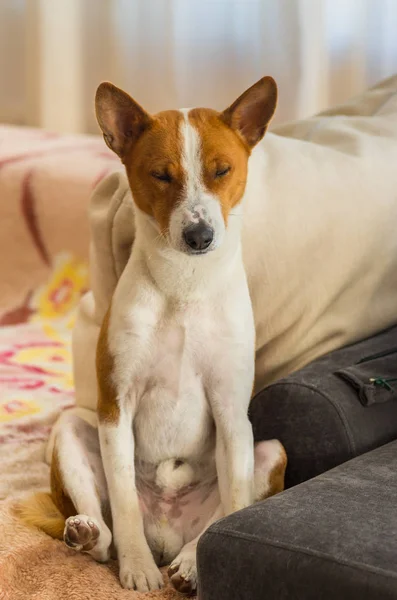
181	53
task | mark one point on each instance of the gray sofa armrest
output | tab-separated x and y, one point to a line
330	538
330	411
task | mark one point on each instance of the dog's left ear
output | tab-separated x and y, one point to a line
251	113
121	119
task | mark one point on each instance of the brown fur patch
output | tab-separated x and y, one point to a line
58	490
277	476
108	408
252	112
46	511
221	147
121	118
157	151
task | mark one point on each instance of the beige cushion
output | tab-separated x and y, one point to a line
320	238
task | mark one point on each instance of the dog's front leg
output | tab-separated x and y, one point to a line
137	567
234	444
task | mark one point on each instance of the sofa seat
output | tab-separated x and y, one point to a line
331	538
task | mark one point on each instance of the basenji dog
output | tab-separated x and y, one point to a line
173	448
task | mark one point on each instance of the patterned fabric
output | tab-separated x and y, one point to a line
46	182
35	357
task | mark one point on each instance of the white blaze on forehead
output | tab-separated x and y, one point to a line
191	158
197	202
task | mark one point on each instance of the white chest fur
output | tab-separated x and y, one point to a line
172	414
169	349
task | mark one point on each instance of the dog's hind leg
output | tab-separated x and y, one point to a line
77	508
270	464
78	480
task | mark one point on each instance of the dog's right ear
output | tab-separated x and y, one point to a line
121	119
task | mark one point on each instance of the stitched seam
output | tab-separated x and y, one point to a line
316	553
337	409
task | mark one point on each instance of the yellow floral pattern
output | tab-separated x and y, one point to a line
60	296
36	380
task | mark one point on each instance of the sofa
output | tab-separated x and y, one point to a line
332	534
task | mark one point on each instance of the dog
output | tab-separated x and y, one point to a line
173	448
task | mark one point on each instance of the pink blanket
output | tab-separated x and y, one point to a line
45	185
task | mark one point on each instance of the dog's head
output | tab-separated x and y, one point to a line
187	169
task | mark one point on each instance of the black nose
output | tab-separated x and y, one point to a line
198	237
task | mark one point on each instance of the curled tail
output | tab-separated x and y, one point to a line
39	510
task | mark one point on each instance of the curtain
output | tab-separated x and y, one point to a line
182	53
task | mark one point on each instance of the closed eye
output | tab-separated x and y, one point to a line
222	172
161	176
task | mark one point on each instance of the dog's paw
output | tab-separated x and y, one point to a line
183	571
81	533
140	574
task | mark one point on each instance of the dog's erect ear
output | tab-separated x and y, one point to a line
121	119
251	113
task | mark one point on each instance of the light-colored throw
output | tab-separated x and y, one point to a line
320	239
34	566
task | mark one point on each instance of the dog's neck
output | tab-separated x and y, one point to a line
182	277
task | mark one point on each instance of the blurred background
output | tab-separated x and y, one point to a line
181	53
